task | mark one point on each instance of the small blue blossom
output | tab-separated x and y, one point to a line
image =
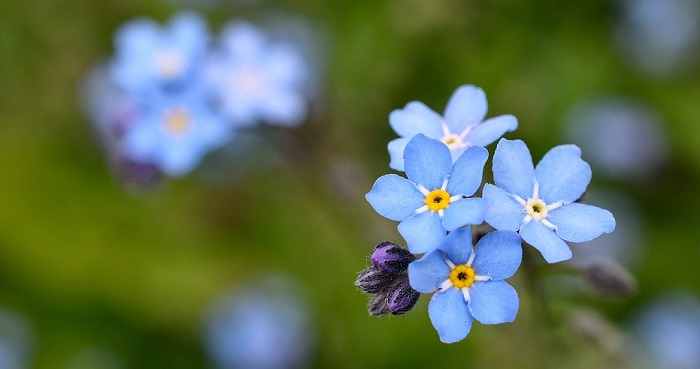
148	56
434	198
469	282
462	126
540	202
255	80
174	131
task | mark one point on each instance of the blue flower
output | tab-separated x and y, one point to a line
540	202
257	80
174	131
462	126
469	282
148	56
434	198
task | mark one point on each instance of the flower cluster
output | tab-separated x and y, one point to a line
172	94
443	158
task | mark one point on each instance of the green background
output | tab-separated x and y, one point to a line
90	263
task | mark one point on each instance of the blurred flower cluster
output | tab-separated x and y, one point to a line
443	158
172	94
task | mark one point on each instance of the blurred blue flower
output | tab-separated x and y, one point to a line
255	79
462	126
148	56
540	202
174	131
16	340
434	198
665	334
469	282
264	327
623	138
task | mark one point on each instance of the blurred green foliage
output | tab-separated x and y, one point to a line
91	264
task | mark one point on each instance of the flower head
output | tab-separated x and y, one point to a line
148	56
539	202
256	80
462	125
435	197
174	132
469	282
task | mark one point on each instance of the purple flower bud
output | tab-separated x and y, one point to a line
391	258
373	280
401	298
377	304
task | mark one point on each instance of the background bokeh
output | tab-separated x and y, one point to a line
96	275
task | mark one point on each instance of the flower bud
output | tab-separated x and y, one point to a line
610	279
401	298
391	258
377	304
373	280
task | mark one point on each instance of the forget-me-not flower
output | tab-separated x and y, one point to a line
255	79
469	283
149	56
462	125
174	131
540	202
434	198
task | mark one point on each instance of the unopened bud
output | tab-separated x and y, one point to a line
377	304
391	258
373	280
610	279
401	298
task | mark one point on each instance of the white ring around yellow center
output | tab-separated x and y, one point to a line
177	121
536	209
462	276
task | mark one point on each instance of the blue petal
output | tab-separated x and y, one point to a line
450	316
492	129
493	302
503	212
552	247
423	232
562	175
395	197
396	148
427	273
458	245
580	222
427	162
512	168
466	107
467	172
498	255
463	212
177	160
416	118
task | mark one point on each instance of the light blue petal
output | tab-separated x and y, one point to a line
491	130
552	247
427	273
427	161
580	222
458	245
177	161
467	106
284	107
467	172
416	118
463	212
562	175
189	31
423	232
450	316
456	153
396	148
503	212
243	40
394	197
512	168
498	255
493	302
137	36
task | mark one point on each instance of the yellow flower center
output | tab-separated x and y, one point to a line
462	276
452	141
536	209
177	121
437	200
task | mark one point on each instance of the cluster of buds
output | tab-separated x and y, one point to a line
387	281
